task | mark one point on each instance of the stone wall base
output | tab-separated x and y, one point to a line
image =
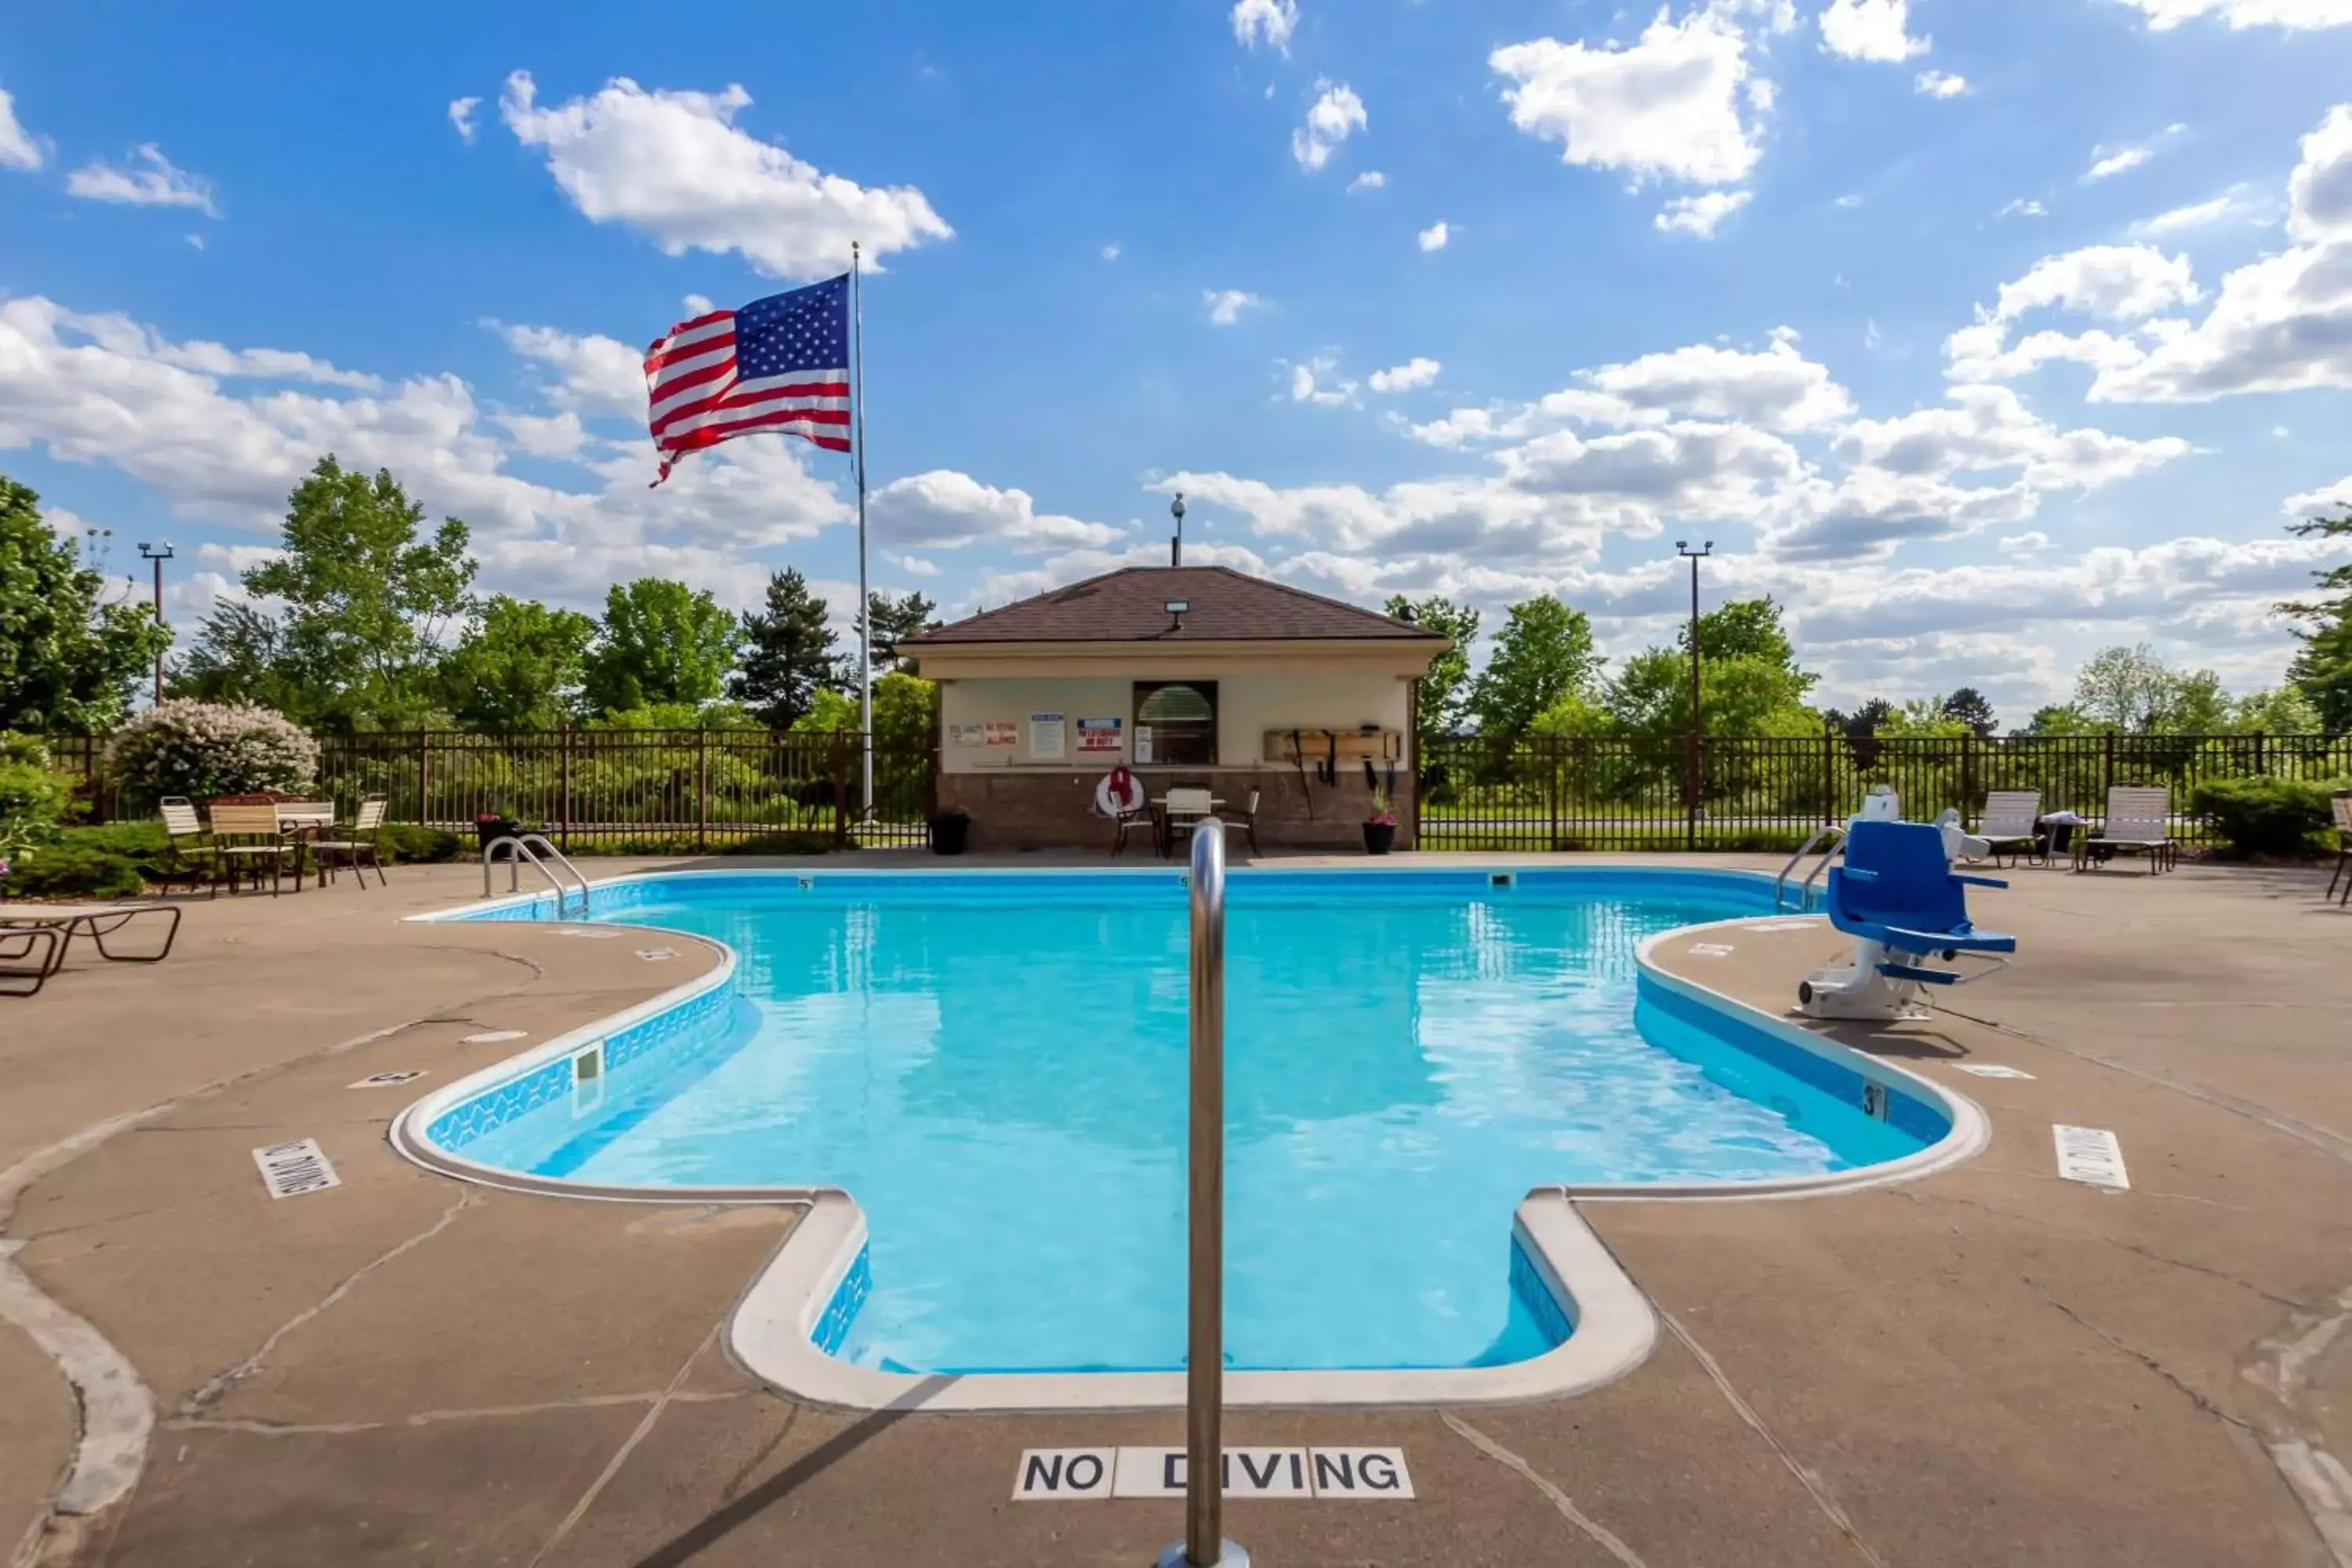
1038	809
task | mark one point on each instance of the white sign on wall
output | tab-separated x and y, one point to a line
1046	742
967	734
1143	742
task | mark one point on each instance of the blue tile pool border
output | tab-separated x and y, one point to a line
802	1308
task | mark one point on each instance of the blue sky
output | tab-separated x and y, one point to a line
1983	333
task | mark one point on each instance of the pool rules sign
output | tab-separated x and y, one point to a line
1084	1475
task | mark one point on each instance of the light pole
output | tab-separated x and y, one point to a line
1698	714
1176	543
151	552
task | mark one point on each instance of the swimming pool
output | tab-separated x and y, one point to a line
993	1065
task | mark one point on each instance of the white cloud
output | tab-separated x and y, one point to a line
196	241
150	179
1413	374
1698	215
1987	428
18	148
2023	206
1270	22
1848	202
1981	353
545	435
2279	323
1940	84
2026	543
1369	180
912	565
594	374
675	166
2330	500
1306	383
1680	103
945	509
1870	30
1111	252
461	117
698	305
1336	114
2120	282
2118	161
2233	204
1435	236
1226	305
2291	15
1778	389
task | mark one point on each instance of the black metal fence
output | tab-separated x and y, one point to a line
1761	793
654	791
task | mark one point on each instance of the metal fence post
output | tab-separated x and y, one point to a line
2108	772
564	829
701	790
423	779
1967	773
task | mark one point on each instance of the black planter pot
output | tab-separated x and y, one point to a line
950	833
1379	837
489	833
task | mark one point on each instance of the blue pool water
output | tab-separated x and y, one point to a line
995	1068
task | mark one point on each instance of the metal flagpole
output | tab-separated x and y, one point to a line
865	597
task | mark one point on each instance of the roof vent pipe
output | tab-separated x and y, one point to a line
1176	543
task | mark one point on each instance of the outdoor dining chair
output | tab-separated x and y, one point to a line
248	841
359	844
188	851
2342	802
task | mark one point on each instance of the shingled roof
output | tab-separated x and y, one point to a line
1131	605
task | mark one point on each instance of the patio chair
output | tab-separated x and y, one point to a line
2139	822
17	962
246	840
2012	823
360	844
2342	802
185	860
1181	812
1249	820
96	922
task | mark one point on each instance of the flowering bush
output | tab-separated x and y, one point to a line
204	749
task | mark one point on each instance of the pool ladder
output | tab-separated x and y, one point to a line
535	848
1825	846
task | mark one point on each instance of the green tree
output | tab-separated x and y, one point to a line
2196	705
238	656
906	714
68	660
1864	722
1925	718
369	597
1743	628
788	652
1971	708
2285	711
2058	719
2321	669
2133	691
891	621
1543	653
521	666
1445	690
1652	696
660	642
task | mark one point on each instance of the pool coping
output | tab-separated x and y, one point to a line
771	1331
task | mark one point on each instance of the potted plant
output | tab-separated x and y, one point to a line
489	826
1380	828
951	830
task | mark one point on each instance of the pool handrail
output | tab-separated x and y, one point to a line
1835	835
1205	1393
522	843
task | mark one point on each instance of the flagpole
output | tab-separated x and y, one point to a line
865	597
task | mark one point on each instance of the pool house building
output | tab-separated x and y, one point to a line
1190	676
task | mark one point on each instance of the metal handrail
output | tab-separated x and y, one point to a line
1204	1545
1836	836
521	852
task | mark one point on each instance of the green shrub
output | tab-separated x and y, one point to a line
2265	816
66	869
204	749
781	844
422	846
143	844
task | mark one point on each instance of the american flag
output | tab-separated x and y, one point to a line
780	363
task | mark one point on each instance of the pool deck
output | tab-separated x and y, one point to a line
1988	1367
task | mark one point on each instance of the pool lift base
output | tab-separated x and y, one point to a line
1228	1556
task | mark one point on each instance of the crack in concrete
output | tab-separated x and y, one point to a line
261	1426
1929	1199
1594	1530
1806	1477
220	1383
2195	1395
620	1456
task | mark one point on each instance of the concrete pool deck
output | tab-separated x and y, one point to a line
1990	1365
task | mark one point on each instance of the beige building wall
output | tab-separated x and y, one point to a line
1248	705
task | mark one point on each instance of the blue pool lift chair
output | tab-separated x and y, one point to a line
1905	907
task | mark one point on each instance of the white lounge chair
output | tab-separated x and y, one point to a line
2012	822
63	923
2138	822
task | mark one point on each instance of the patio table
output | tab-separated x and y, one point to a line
1164	820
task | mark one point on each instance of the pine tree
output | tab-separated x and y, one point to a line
891	619
787	653
2323	666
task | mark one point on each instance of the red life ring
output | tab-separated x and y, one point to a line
1120	792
